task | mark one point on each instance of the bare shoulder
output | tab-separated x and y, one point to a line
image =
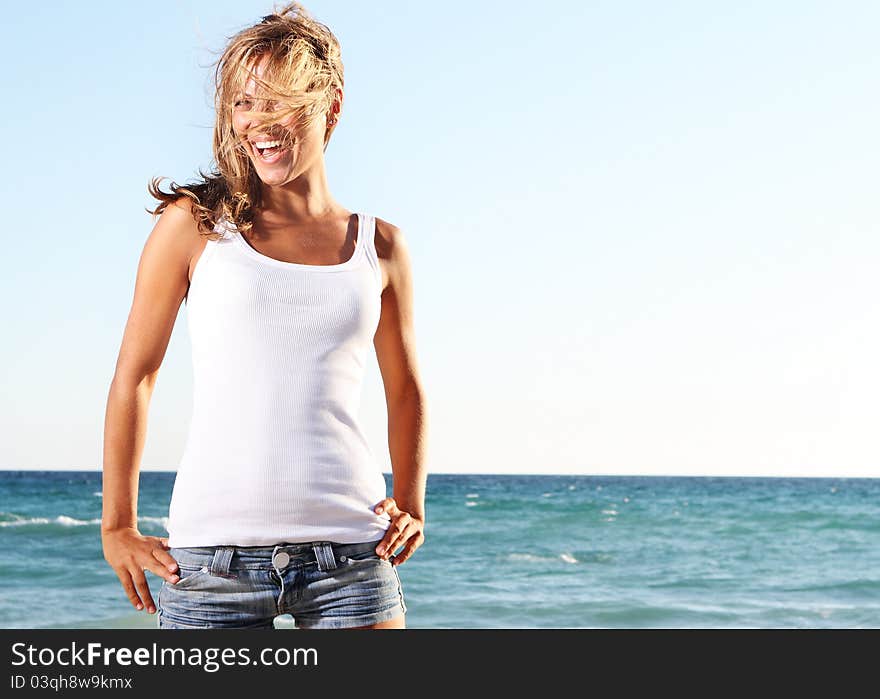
393	252
178	226
176	223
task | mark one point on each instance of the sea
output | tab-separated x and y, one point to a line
518	551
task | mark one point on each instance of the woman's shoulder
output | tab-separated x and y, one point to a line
178	222
187	215
388	238
392	250
192	238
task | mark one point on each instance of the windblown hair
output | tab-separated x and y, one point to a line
303	71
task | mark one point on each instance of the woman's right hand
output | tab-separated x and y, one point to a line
130	554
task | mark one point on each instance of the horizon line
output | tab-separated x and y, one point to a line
508	473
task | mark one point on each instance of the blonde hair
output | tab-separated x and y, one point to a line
303	71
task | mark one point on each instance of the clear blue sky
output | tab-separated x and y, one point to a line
645	235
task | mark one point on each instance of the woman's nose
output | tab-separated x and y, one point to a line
260	106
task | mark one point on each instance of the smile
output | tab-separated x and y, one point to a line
268	151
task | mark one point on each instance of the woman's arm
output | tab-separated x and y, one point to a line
407	410
162	282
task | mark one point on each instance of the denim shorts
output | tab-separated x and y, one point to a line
322	584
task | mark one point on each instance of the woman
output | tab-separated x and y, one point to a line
278	506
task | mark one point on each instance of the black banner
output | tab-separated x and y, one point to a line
138	660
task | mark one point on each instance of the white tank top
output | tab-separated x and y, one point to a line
275	451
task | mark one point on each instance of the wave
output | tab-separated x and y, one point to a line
11	519
858	585
63	520
565	556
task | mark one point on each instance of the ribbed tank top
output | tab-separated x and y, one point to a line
275	451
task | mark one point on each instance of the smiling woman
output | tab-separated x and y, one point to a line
279	506
285	76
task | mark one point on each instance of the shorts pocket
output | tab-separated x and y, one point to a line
189	576
193	564
363	557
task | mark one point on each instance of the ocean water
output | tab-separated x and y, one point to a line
519	552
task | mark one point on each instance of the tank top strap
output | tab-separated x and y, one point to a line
370	245
223	227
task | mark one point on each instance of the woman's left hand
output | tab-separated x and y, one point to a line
405	530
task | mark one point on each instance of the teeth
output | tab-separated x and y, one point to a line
267	144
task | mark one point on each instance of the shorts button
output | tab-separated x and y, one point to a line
281	559
343	559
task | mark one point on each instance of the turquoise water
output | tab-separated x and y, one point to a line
519	552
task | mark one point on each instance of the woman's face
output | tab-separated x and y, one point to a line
275	166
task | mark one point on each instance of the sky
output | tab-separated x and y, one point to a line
644	235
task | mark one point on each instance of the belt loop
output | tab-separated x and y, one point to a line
324	555
222	559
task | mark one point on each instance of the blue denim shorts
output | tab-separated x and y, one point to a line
322	584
